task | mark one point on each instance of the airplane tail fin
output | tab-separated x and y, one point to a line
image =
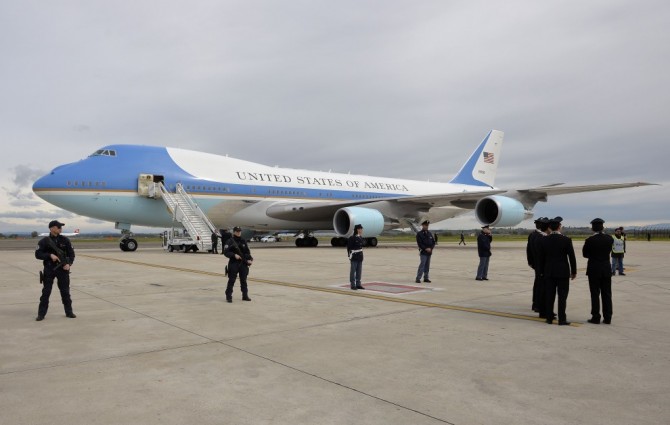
480	169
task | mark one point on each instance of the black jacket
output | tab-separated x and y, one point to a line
44	251
557	256
230	251
355	243
533	246
425	239
484	244
597	249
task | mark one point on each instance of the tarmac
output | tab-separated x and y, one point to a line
154	341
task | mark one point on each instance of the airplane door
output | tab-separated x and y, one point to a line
147	185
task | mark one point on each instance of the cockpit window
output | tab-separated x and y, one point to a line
104	152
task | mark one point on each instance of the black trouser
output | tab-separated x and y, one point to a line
552	285
235	268
63	278
538	292
600	285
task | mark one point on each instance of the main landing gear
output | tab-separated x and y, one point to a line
127	243
307	241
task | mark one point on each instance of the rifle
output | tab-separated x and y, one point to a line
62	257
238	251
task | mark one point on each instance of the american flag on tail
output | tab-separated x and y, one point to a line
488	157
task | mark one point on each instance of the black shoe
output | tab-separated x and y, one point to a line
354	288
359	287
70	315
427	281
594	321
549	321
607	321
478	278
418	281
230	300
622	274
246	298
39	318
563	323
485	278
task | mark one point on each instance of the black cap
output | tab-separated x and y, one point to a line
556	219
425	223
237	229
541	220
358	226
597	221
56	223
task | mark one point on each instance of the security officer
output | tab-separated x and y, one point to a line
57	255
484	251
426	243
597	249
215	243
239	260
225	235
541	225
556	258
355	252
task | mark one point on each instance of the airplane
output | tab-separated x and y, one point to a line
73	234
117	183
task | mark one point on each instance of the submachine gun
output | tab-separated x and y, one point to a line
62	257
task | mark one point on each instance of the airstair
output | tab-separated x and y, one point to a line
186	212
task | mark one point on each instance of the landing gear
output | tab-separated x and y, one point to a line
371	242
307	241
127	243
338	241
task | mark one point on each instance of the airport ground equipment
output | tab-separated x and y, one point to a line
188	214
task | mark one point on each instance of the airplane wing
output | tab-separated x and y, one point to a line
542	192
315	211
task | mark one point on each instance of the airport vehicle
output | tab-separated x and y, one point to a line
71	234
176	240
166	187
268	239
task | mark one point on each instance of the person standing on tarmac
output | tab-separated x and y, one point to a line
597	249
239	260
541	225
484	251
215	243
618	250
559	265
426	243
225	235
355	252
57	256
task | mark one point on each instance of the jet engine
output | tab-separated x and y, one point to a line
346	218
501	211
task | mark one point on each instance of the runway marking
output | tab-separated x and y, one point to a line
360	294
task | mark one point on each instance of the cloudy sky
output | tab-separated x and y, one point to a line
401	89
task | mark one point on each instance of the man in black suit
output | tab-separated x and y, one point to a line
559	265
534	240
597	249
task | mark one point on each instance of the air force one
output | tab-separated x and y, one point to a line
164	187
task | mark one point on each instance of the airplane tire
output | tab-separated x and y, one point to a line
131	245
313	242
334	242
300	242
123	246
372	242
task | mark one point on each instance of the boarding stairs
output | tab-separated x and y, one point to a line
186	211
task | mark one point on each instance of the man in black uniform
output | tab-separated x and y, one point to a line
426	243
556	258
597	249
355	252
57	255
237	251
541	226
215	243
